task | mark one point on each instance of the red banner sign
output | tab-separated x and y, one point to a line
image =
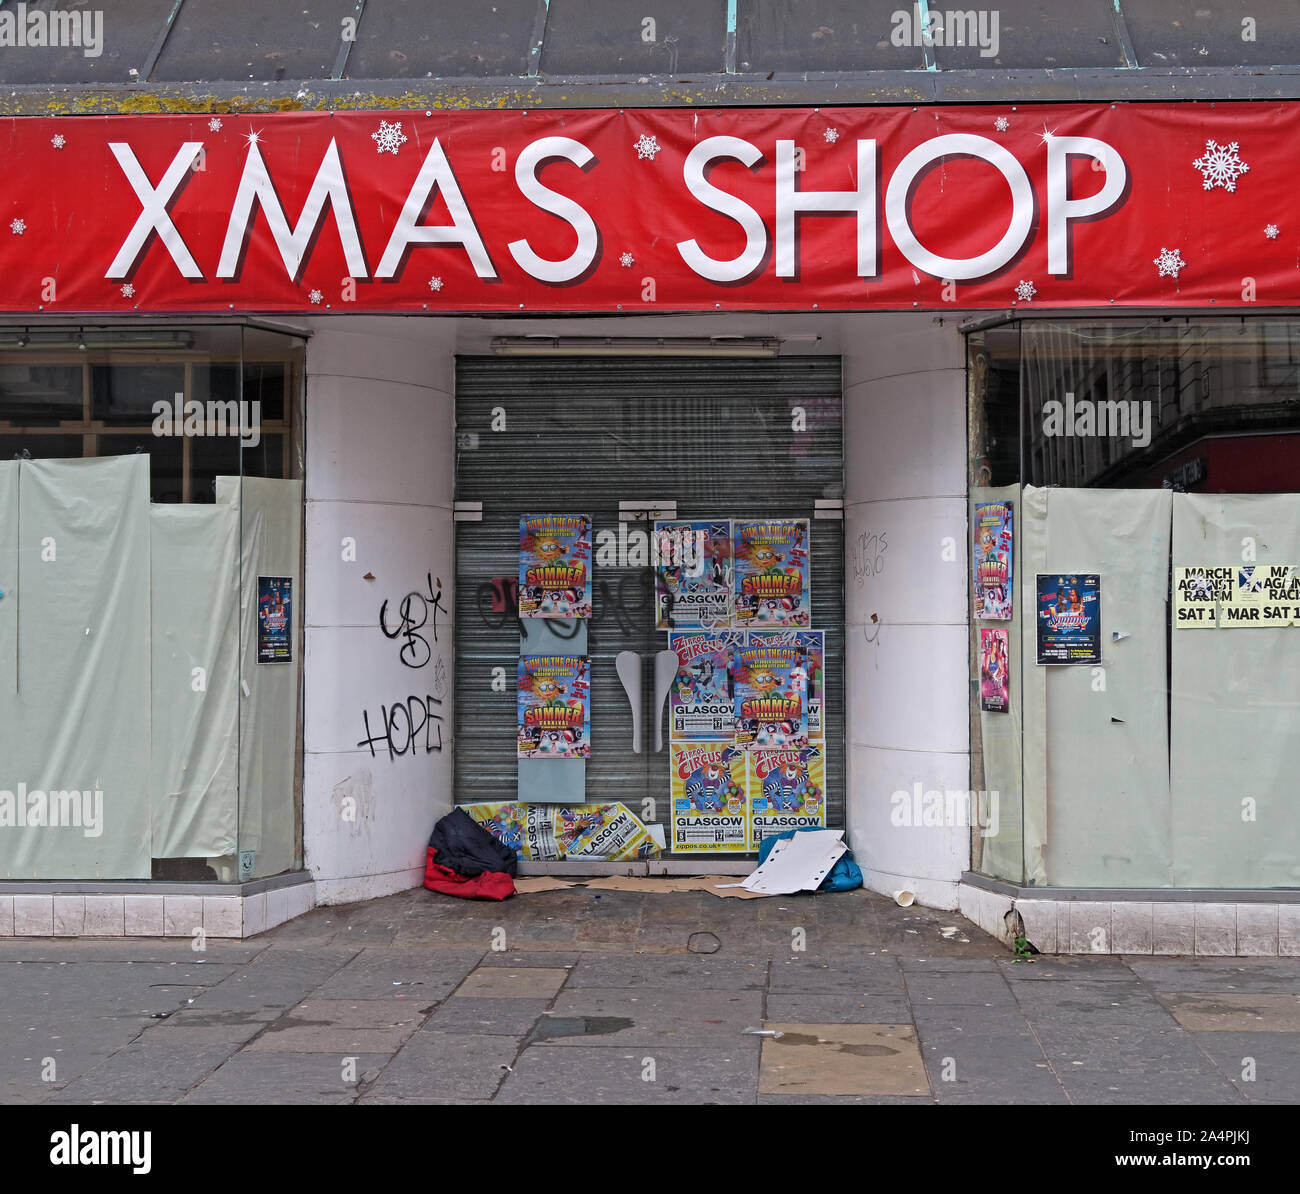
777	209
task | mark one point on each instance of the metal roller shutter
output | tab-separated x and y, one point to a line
583	434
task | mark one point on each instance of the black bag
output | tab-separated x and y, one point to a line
463	845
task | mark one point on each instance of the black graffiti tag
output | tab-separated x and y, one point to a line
402	724
414	611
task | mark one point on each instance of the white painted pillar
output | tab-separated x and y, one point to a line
380	434
906	682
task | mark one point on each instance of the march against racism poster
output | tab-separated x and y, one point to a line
709	795
554	707
702	699
772	575
1235	596
1069	617
275	619
693	574
995	684
994	560
554	565
787	791
771	706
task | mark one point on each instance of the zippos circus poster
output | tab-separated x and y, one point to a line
554	707
772	575
771	708
702	697
709	797
787	791
555	565
693	574
994	561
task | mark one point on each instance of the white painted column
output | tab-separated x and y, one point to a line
380	434
906	563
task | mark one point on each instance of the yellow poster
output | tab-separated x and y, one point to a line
709	798
787	791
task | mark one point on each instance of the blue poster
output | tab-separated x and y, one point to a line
274	619
1069	617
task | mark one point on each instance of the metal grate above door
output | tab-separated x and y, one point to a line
579	436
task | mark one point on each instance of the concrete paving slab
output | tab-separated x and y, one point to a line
645	1017
669	972
601	1076
500	982
146	1072
875	975
1262	1066
544	958
1227	974
341	1026
838	1008
955	986
278	978
425	976
447	1065
1233	1011
279	1078
196	1027
998	1064
834	1059
487	1017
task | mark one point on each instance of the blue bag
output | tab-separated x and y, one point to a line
845	875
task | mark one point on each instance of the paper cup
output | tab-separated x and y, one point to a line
904	899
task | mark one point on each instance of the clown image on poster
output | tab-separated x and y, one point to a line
702	698
994	561
709	796
771	708
1069	617
610	831
787	790
995	685
555	565
554	707
528	829
772	574
693	574
808	674
275	619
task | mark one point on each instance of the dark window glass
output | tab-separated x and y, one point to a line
40	395
125	394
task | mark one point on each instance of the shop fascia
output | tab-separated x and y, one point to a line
436	176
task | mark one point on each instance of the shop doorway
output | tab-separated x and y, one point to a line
627	440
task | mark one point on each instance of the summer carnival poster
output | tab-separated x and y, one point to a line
771	707
702	705
275	619
709	797
995	686
693	574
787	790
1069	617
994	557
555	565
809	672
554	707
772	579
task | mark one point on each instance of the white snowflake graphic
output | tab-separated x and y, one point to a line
627	261
831	135
435	284
128	291
18	227
1271	230
315	296
646	147
1002	124
1169	262
389	138
58	140
1220	166
1025	292
215	124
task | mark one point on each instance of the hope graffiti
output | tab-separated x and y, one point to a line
400	731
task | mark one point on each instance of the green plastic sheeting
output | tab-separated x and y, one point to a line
76	730
195	725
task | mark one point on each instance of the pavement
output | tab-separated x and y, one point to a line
579	996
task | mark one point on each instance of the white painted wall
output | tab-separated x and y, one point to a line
380	430
907	687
